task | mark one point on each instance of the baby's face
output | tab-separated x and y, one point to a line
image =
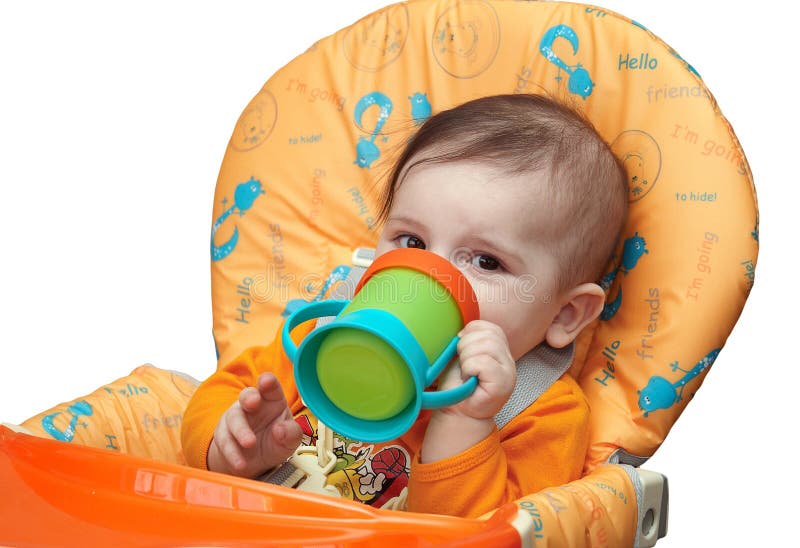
484	223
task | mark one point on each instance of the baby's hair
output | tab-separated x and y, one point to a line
520	134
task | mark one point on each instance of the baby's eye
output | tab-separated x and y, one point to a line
486	262
407	240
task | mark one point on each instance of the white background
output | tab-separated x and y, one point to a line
113	124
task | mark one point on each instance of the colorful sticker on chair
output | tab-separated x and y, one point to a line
366	149
369	478
663	394
77	410
580	82
363	472
243	198
632	250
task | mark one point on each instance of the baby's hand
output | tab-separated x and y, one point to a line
256	433
483	352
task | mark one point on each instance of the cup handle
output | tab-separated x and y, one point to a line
445	398
307	312
444	358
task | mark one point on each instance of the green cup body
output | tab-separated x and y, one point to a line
361	373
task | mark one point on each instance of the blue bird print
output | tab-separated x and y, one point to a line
243	198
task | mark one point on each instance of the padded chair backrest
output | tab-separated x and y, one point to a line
294	196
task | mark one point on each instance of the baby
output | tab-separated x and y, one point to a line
523	196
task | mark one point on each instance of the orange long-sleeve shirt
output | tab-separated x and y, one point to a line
543	446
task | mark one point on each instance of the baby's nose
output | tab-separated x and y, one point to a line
458	257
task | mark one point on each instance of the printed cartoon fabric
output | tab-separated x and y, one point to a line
140	414
371	473
296	191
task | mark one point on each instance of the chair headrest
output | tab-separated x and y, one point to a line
294	193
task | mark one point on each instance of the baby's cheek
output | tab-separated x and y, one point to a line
523	329
491	298
485	305
491	313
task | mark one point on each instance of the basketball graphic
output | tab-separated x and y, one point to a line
391	462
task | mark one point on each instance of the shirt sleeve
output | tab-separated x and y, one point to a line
218	392
543	446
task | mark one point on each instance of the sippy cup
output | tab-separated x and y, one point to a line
364	374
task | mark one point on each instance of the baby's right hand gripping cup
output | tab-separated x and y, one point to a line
364	374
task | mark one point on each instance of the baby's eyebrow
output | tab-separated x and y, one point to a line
405	220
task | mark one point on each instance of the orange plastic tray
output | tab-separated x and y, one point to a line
61	494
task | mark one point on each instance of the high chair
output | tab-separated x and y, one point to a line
295	208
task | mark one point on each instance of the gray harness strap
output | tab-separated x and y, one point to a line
536	372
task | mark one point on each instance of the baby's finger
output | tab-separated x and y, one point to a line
490	370
270	388
479	366
230	451
250	400
475	344
288	434
239	428
476	326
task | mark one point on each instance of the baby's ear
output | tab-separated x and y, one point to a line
580	306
